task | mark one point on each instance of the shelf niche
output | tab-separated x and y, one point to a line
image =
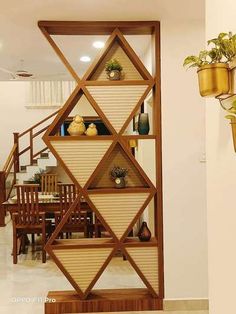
117	157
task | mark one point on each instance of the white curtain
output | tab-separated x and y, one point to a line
50	93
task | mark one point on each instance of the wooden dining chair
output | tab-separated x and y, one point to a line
49	183
28	219
79	220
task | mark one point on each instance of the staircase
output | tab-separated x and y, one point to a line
22	164
46	162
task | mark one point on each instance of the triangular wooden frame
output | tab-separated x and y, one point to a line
118	36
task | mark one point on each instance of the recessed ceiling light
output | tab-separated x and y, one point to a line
98	44
85	59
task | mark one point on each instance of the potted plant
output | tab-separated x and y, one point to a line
118	175
213	65
113	69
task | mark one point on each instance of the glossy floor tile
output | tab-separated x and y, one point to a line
24	287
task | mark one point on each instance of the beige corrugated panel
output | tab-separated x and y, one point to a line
119	209
116	52
83	264
81	157
118	157
146	258
117	102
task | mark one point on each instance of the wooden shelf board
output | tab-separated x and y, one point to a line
116	190
118	83
139	137
97	27
80	137
82	243
134	241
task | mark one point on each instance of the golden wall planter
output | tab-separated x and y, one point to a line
214	79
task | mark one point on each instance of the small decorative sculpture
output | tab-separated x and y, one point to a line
113	69
91	130
144	233
77	126
143	124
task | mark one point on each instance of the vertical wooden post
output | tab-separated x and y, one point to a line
2	198
16	154
31	148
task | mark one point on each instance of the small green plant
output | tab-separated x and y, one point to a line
36	179
118	172
112	65
222	50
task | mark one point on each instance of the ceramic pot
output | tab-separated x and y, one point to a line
144	233
120	183
114	75
143	124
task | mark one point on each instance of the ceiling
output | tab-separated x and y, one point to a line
20	37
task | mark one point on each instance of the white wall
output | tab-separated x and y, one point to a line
184	185
14	117
221	174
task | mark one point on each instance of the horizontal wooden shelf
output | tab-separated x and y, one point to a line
80	137
116	190
118	82
139	137
82	243
134	241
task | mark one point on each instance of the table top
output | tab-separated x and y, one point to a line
43	198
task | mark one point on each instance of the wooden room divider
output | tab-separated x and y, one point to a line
88	160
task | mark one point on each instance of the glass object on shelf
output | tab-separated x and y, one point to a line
143	124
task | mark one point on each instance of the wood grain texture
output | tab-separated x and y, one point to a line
83	264
146	258
107	300
117	102
81	157
118	210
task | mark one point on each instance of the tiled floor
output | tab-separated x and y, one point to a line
23	287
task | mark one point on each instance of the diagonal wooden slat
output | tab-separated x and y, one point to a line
146	259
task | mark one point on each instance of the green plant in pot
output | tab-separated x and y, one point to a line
213	65
113	69
118	175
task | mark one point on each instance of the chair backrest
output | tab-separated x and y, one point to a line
49	183
28	204
68	194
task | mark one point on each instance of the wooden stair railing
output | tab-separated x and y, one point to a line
12	164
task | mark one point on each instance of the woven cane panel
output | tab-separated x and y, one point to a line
83	264
146	258
119	210
117	102
118	157
81	157
129	70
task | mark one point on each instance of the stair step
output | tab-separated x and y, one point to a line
44	155
23	168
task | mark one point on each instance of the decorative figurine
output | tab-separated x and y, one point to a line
91	130
118	175
77	126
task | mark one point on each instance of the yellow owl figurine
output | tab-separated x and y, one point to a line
77	126
91	130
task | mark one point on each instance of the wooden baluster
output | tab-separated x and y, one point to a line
31	148
16	154
2	198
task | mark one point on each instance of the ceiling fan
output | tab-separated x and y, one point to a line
19	74
22	74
